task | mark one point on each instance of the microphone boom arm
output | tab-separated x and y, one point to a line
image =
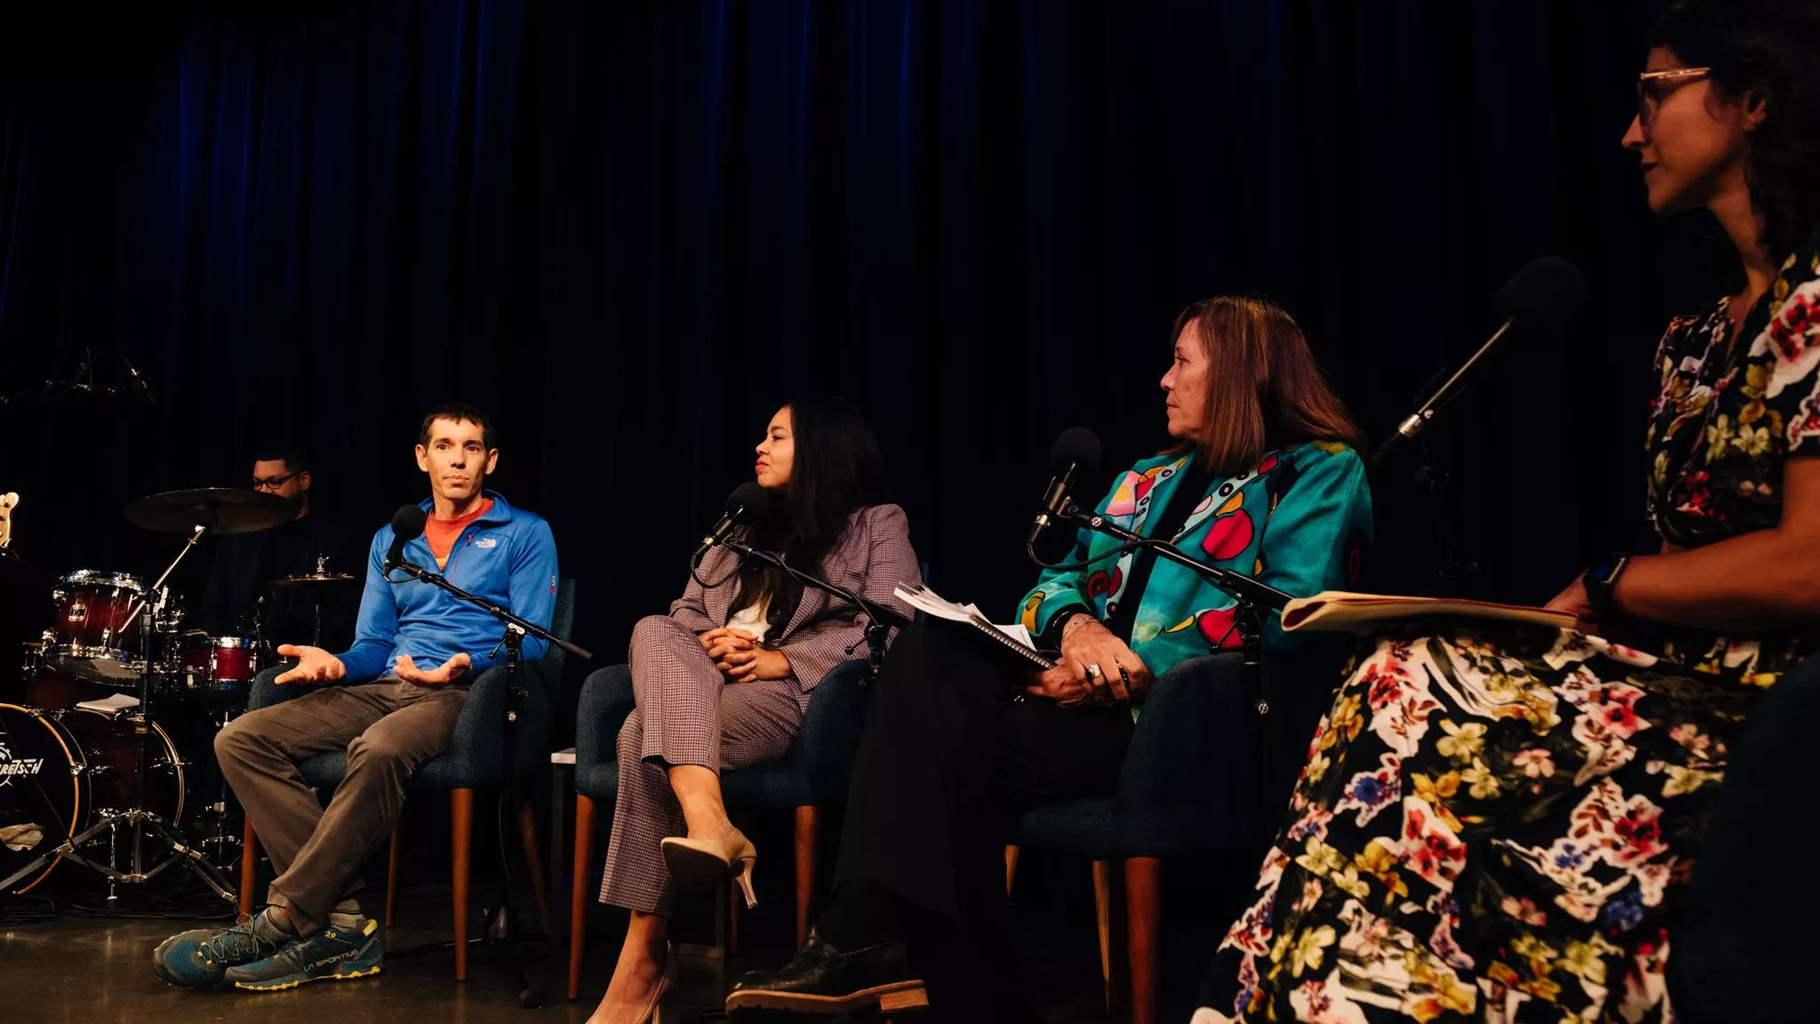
1255	598
880	619
1247	590
512	622
1413	424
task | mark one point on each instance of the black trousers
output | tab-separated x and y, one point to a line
1742	944
947	760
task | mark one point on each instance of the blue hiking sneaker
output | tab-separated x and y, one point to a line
331	954
201	957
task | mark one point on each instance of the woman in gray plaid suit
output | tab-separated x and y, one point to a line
723	680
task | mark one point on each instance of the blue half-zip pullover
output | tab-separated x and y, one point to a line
507	556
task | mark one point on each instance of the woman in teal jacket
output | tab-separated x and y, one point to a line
1296	520
1265	479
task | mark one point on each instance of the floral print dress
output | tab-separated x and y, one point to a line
1493	822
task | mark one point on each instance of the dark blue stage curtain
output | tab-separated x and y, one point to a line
633	229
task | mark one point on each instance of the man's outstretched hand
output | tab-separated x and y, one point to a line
448	672
314	665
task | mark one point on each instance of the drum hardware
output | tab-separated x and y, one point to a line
214	671
196	513
92	635
223	842
318	584
65	774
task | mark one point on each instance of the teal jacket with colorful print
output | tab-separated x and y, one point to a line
1298	521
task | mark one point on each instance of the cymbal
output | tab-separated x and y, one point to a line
221	509
315	581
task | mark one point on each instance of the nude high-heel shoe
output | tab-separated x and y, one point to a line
704	863
653	1011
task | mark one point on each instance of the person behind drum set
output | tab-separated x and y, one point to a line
244	564
390	711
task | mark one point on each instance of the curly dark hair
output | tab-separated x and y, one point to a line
1770	48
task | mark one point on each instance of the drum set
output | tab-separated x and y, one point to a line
89	773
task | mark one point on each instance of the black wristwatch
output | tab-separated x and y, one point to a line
1600	581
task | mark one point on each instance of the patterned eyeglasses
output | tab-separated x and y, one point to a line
1654	86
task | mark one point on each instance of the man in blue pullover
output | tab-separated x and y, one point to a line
391	701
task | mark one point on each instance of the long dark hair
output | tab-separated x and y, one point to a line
1770	48
837	469
1267	392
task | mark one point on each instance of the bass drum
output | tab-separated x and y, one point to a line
61	770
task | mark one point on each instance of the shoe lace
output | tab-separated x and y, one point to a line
224	945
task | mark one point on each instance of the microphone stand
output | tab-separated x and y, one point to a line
1254	597
880	619
516	629
1457	568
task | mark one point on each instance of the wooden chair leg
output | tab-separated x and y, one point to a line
808	849
461	849
249	868
578	892
391	872
527	838
1144	912
1011	853
1103	918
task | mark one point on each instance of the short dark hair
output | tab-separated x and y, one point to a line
295	457
460	412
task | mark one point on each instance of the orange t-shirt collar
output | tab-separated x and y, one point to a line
441	533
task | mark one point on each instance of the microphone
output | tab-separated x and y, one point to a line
135	384
747	503
1075	450
1541	299
407	526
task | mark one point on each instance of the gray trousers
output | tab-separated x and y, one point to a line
687	714
388	728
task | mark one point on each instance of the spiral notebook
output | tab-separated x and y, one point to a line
1014	638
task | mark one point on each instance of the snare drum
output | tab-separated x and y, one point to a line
90	636
60	769
216	671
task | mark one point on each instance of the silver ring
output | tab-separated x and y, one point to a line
1093	672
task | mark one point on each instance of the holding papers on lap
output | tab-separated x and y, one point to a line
1014	638
1338	611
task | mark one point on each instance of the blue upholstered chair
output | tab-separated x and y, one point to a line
813	772
1205	774
473	761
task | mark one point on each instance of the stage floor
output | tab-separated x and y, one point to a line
78	969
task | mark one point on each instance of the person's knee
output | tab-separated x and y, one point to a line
237	739
631	736
378	748
656	629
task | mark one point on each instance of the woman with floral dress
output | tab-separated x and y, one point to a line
1494	823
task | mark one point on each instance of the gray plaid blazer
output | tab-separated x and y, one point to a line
870	559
